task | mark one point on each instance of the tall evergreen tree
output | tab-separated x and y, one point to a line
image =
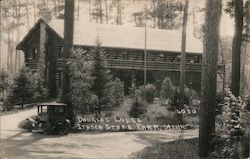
102	78
210	58
23	89
80	70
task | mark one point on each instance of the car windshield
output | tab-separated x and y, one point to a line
43	109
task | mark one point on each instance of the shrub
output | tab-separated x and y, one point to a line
117	92
146	93
190	96
138	108
167	89
163	119
4	84
231	126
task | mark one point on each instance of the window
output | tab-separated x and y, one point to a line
34	53
43	109
58	110
60	53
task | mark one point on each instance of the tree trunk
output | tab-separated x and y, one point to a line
27	15
209	67
245	85
236	47
183	59
68	46
22	102
106	11
100	11
183	52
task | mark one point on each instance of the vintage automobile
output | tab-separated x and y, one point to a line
51	118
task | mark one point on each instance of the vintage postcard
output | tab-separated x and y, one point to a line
130	79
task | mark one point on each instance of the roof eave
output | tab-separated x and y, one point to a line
20	45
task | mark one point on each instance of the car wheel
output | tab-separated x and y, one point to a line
45	129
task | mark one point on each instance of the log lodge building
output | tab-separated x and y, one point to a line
125	53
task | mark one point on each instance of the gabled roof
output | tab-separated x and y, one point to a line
113	36
32	30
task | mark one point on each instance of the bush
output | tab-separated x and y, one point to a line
138	108
117	92
147	94
167	89
163	119
190	96
231	127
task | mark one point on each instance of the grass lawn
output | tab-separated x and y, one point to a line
179	149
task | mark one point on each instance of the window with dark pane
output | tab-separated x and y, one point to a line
60	52
34	53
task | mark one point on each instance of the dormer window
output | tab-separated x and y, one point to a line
34	53
60	53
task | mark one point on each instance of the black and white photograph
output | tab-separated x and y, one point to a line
124	79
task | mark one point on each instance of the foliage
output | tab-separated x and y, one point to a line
138	108
225	57
162	14
231	127
3	82
166	13
167	88
146	93
103	86
40	76
190	96
23	89
26	89
102	11
45	14
117	92
41	92
80	69
92	88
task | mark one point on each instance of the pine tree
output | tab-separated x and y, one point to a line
80	70
102	79
23	89
3	82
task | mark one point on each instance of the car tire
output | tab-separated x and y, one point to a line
46	128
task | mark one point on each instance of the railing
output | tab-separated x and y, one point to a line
155	65
151	65
139	65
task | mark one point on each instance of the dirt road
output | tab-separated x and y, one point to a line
18	144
